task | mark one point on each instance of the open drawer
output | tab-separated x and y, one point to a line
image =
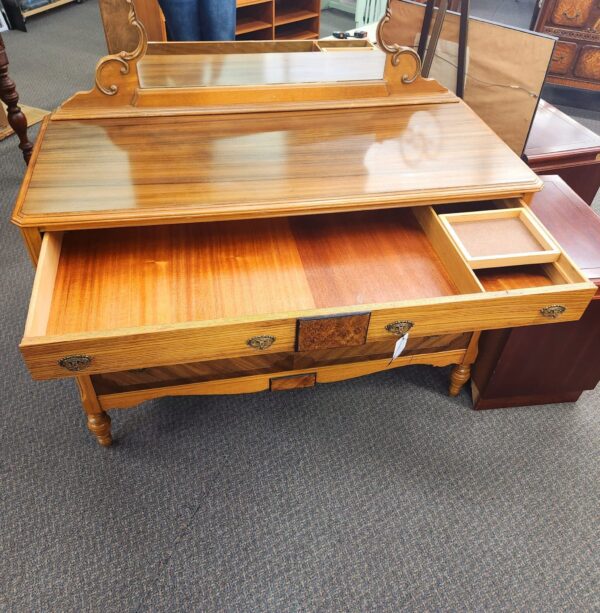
125	298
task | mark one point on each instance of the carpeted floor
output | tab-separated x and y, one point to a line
378	494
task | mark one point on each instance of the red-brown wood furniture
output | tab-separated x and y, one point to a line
10	97
548	364
558	144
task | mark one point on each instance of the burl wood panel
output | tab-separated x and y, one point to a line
571	13
588	63
293	382
164	169
128	277
563	57
330	332
577	25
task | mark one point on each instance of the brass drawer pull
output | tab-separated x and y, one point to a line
572	17
75	363
260	342
553	311
399	327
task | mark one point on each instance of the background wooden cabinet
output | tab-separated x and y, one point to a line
256	20
576	60
278	19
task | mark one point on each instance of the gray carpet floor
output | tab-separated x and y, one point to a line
378	494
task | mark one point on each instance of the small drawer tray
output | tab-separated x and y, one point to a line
503	237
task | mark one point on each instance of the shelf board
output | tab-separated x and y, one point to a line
241	3
291	16
299	33
251	25
46	7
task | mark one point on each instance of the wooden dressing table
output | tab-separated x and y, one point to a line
259	218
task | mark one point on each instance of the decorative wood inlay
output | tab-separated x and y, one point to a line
270	363
332	331
293	382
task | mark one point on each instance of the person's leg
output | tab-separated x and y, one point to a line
217	19
184	18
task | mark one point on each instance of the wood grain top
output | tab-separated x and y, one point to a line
151	170
128	277
554	134
574	224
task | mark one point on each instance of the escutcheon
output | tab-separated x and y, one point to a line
260	342
75	362
399	327
553	311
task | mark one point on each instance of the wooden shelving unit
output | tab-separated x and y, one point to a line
46	7
278	19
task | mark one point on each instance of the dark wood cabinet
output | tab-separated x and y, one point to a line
547	364
576	60
558	144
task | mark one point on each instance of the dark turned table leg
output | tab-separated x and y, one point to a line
10	97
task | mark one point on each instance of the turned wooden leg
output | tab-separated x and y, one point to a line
99	425
10	97
98	421
460	375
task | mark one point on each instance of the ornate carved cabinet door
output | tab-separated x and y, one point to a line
576	59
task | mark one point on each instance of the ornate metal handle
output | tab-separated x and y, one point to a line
399	328
572	17
553	310
260	342
75	363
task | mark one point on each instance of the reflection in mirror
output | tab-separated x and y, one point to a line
186	65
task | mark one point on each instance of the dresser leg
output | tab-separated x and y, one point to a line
460	375
98	421
99	425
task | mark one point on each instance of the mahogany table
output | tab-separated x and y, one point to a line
560	145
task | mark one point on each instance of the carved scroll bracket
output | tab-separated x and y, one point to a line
116	79
124	59
397	51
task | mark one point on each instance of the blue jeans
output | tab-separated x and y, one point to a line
199	19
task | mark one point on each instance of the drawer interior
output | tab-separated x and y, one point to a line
100	280
131	277
117	299
500	237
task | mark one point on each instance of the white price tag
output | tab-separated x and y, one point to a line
399	347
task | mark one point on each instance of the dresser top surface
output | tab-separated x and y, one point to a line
154	170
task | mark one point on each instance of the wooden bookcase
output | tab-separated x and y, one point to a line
256	20
278	19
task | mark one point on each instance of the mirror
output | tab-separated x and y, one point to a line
261	62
